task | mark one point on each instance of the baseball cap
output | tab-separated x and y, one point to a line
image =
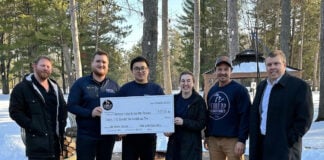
223	59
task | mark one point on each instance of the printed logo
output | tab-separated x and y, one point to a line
218	105
108	90
107	105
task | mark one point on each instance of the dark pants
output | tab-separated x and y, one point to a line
141	146
99	149
43	158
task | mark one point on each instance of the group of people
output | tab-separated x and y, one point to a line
275	123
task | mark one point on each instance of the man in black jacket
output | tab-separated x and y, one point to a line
38	107
281	113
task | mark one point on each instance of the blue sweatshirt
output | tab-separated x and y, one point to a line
136	89
228	111
84	96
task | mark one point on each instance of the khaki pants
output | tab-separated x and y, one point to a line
222	148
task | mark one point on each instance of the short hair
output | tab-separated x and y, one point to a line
42	57
139	59
189	73
279	53
100	52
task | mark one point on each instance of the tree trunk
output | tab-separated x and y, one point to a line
75	39
97	26
285	27
196	58
233	38
276	24
5	65
67	61
150	35
292	37
165	48
4	74
300	59
316	62
320	116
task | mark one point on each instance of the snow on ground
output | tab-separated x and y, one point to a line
11	146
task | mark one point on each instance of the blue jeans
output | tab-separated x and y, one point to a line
99	149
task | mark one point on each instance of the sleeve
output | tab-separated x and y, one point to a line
18	109
120	92
62	111
303	113
161	92
75	101
244	104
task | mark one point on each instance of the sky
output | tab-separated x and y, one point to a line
132	13
11	146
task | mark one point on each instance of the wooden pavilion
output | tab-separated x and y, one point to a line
245	70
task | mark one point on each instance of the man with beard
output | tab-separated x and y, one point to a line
84	102
228	115
38	107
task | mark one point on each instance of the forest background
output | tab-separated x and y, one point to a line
204	30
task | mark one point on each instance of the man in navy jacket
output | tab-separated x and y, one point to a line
84	102
281	113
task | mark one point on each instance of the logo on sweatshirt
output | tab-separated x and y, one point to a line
218	105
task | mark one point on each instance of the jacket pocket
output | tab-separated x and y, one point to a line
37	143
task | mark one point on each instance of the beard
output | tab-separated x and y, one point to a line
99	74
43	75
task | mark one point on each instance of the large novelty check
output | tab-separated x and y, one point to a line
137	114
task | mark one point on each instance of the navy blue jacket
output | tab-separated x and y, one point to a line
289	117
228	111
84	96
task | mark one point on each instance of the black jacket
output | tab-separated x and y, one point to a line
193	123
289	117
28	108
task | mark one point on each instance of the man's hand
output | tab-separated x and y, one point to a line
239	148
178	121
168	134
96	112
206	143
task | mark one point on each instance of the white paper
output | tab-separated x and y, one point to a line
137	114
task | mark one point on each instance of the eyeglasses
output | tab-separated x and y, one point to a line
139	69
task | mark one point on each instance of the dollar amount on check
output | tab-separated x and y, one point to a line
137	114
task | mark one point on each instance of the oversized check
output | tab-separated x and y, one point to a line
137	114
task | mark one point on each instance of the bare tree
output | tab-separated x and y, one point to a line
300	56
315	64
285	27
233	38
320	116
165	48
150	35
75	39
196	58
68	66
